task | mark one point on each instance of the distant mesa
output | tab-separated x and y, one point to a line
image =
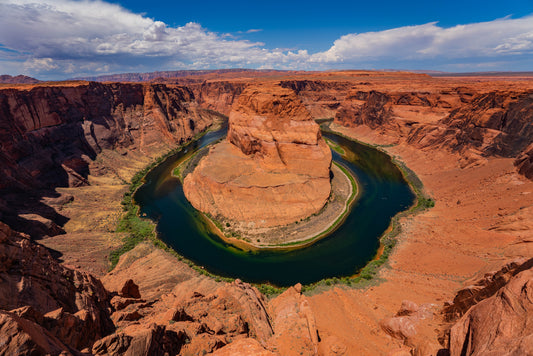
274	167
170	76
18	79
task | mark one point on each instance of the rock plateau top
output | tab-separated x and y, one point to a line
274	167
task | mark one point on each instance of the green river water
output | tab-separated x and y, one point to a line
383	194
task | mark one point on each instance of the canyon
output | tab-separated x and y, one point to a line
69	150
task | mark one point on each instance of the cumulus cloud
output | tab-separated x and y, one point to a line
62	38
40	64
96	34
486	39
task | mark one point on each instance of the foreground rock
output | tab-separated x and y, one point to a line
46	308
71	307
273	170
501	324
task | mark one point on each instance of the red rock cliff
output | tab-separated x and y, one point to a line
272	170
50	135
474	124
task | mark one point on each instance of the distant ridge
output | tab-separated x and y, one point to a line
146	77
19	79
481	74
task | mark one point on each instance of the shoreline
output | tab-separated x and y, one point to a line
387	239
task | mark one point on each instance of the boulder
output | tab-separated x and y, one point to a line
130	290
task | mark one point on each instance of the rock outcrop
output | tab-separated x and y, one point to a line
483	288
193	319
403	325
71	307
295	330
524	162
501	324
274	168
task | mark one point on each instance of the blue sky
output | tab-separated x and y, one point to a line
57	39
316	24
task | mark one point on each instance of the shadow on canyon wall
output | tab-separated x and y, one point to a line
51	136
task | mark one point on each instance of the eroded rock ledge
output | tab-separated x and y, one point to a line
274	168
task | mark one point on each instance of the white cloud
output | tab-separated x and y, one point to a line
59	38
484	39
41	64
96	31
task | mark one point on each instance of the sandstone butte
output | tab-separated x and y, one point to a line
274	167
458	282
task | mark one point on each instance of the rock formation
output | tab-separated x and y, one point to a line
322	98
484	288
475	124
524	162
272	170
71	307
51	133
502	323
51	136
218	96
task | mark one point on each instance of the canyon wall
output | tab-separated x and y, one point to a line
51	135
473	124
321	98
494	123
218	96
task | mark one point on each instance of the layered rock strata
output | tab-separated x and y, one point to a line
51	136
499	322
274	167
474	124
